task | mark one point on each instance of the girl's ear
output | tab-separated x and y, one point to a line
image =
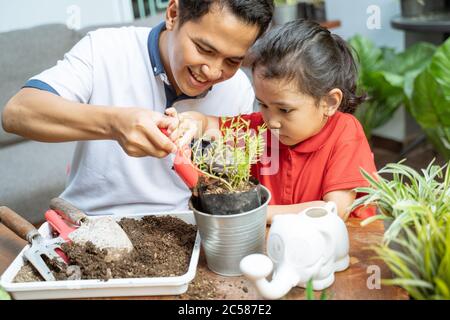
332	101
171	14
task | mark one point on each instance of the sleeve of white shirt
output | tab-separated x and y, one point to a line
71	77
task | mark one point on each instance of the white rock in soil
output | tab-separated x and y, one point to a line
104	233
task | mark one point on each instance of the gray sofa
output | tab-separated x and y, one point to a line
31	172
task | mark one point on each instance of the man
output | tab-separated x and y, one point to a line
110	91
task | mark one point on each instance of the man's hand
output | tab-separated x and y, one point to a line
137	131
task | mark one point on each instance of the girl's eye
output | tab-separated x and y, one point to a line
262	105
285	110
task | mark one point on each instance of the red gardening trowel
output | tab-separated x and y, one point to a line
61	227
183	165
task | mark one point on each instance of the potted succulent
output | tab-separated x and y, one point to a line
226	186
230	207
416	243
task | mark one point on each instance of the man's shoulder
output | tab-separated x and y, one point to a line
119	35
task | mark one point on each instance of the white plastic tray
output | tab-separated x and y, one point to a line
99	288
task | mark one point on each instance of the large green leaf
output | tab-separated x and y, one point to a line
411	63
385	76
368	54
385	95
430	99
412	59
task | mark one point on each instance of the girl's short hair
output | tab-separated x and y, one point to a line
318	60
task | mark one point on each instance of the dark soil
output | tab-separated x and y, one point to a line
216	187
162	248
215	199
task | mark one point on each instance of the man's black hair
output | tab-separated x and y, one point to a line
252	12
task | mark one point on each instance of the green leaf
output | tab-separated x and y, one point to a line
309	290
413	59
430	100
367	54
4	295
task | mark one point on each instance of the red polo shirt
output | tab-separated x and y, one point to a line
328	161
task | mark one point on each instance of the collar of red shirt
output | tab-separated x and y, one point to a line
314	143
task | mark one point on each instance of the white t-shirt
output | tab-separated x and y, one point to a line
121	67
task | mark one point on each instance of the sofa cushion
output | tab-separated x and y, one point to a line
31	173
25	53
145	22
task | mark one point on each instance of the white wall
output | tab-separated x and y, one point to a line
353	16
19	14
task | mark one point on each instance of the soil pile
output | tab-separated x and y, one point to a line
162	248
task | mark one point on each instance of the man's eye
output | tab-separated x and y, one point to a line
234	62
203	50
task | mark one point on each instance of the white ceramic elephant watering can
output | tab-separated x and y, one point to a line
312	244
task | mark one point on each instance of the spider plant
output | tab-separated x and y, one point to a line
416	245
422	265
408	195
229	158
310	292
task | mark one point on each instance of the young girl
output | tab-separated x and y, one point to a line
305	83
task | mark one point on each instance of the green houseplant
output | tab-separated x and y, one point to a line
416	244
429	100
386	76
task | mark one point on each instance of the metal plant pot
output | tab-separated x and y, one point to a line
227	239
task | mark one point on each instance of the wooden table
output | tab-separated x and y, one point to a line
349	284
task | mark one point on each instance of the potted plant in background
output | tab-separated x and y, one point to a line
285	11
428	100
230	207
418	78
416	243
386	76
